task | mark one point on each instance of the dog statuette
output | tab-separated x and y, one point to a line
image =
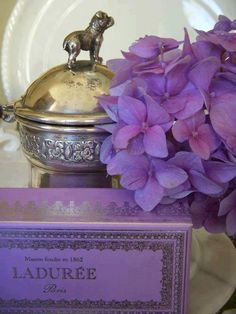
90	39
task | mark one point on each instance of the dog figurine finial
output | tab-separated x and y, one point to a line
89	40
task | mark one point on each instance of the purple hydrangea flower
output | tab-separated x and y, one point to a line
224	24
173	113
145	123
148	177
131	67
223	113
200	135
198	178
204	210
152	46
221	39
174	91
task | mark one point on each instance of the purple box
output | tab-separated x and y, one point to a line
91	251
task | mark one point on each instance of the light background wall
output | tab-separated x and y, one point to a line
6	7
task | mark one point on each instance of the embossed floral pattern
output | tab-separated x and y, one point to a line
80	151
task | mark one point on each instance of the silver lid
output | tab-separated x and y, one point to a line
68	97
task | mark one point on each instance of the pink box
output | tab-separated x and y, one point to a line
91	251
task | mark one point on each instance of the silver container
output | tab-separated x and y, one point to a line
59	118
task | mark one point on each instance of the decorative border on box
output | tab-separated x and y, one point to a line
170	242
85	210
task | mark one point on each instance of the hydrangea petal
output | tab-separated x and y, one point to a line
194	105
229	67
118	89
146	47
181	131
171	55
131	56
228	204
115	65
220	154
136	145
170	176
147	67
195	121
182	194
135	88
134	178
149	46
204	213
224	91
199	213
122	69
215	224
167	126
226	40
187	47
231	144
207	135
227	98
223	39
184	129
174	104
169	43
131	110
177	76
199	147
106	150
187	161
207	99
184	105
117	127
150	195
220	171
155	142
233	24
228	76
223	24
204	49
124	135
155	113
122	161
109	127
203	184
223	117
109	104
203	72
156	84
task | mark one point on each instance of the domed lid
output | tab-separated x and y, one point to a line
69	97
67	94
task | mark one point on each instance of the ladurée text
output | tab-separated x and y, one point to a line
79	273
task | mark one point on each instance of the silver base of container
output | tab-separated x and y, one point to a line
43	178
64	156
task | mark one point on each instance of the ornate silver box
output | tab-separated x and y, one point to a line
59	116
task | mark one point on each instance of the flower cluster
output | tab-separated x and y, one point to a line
173	105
